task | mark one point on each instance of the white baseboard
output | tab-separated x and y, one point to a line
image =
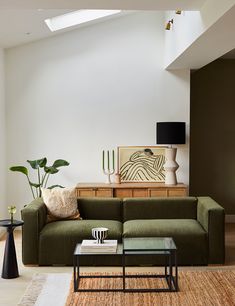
230	219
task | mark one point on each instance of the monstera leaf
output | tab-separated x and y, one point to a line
38	163
51	170
43	173
21	169
60	163
54	186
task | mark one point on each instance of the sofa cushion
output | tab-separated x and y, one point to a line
160	208
100	208
58	239
189	236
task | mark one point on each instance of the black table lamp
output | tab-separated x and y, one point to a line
171	133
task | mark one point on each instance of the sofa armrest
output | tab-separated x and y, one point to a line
212	217
34	217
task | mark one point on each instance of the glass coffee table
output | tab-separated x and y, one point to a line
164	247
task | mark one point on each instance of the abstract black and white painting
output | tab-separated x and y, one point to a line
141	164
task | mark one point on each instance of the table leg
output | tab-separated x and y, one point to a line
75	286
123	272
170	271
176	273
10	267
165	266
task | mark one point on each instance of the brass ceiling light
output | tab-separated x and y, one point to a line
168	25
178	12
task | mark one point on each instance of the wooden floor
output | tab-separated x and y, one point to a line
12	290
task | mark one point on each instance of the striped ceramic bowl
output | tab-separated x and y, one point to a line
100	233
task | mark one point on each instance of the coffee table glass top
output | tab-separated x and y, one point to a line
145	245
148	244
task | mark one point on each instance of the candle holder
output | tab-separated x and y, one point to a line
117	178
108	171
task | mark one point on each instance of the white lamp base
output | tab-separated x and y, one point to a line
171	166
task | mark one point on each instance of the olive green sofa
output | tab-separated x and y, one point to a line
196	225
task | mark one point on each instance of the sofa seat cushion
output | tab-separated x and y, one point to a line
58	239
189	236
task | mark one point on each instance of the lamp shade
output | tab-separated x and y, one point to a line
170	133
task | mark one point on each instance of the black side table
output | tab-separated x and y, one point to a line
10	267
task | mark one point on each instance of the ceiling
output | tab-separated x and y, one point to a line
229	55
104	4
22	21
23	26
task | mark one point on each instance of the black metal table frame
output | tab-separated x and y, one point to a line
77	277
170	275
170	269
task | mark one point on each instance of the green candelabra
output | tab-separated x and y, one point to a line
108	165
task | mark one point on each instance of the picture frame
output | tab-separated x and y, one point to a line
141	163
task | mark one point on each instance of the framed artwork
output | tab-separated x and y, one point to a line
141	163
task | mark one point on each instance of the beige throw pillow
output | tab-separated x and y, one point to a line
61	203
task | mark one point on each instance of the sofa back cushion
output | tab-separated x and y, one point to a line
160	208
61	203
100	208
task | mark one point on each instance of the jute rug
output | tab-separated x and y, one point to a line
197	288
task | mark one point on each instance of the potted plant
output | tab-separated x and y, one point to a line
43	173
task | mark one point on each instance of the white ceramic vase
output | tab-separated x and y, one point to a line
171	166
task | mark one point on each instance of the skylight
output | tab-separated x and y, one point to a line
77	17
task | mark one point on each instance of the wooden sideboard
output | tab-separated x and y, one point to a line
130	190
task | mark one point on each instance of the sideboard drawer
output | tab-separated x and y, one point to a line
158	193
139	193
177	193
131	193
85	193
104	193
95	192
123	193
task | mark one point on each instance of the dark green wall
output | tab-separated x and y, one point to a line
212	138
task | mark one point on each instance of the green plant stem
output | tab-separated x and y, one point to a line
39	182
31	188
47	180
43	178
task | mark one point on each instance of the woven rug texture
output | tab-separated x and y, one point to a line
196	288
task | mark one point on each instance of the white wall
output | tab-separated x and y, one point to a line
95	88
2	139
